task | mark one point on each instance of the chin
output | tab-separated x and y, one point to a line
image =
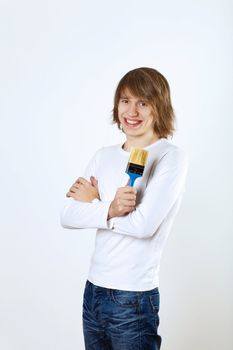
134	133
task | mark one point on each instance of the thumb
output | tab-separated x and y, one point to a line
127	182
94	182
134	188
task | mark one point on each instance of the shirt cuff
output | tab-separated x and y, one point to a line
77	214
110	223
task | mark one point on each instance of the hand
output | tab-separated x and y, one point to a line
124	201
83	190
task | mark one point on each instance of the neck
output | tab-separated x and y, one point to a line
139	143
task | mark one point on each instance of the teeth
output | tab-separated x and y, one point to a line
132	122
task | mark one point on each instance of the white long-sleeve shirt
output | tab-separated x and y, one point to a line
128	248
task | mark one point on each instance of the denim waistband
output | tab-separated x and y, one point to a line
91	285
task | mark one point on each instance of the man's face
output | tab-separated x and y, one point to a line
135	115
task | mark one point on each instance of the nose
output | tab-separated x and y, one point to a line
132	109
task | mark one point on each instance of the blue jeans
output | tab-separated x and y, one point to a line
120	320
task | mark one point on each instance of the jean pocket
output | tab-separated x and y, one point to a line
125	298
155	301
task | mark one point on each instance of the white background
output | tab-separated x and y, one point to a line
60	64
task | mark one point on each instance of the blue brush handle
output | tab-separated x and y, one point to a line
133	177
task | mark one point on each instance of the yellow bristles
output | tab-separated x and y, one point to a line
138	156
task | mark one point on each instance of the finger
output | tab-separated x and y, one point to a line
76	185
81	180
128	189
84	182
133	189
96	181
93	178
75	189
129	196
126	195
93	181
129	208
95	185
69	194
128	202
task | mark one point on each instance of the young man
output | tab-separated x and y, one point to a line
121	296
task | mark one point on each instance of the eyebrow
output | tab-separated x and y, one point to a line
128	98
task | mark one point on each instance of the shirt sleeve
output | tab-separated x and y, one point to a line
80	215
166	183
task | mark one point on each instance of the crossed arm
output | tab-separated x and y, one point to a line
85	191
161	194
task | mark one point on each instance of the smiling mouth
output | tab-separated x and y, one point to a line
132	123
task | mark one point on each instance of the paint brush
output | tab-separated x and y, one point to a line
136	164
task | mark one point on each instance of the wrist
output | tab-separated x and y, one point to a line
110	212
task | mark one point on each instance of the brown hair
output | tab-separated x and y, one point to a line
151	85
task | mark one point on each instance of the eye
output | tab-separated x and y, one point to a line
143	104
124	100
